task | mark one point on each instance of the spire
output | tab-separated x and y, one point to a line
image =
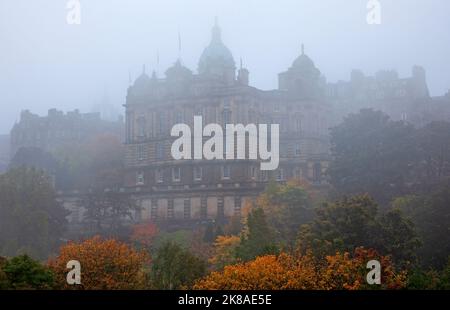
157	60
179	43
216	33
303	49
241	63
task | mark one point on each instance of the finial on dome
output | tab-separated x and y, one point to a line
303	49
216	33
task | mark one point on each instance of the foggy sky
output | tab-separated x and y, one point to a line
46	63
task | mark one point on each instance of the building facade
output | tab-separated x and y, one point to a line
171	189
58	129
406	99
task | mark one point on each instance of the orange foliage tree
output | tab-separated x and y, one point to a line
105	264
144	234
270	272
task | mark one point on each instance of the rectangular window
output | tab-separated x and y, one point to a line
226	172
160	151
264	176
317	172
162	123
141	124
299	125
253	172
176	174
198	173
140	178
187	208
297	149
226	116
159	175
280	174
141	152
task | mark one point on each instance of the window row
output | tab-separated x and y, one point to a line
197	174
160	151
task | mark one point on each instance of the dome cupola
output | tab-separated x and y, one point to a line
216	59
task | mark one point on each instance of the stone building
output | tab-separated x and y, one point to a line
215	189
401	98
4	152
58	129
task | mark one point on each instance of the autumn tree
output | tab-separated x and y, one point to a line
143	234
32	220
225	251
304	272
105	264
175	267
257	237
287	207
349	271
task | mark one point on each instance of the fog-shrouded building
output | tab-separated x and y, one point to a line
4	152
220	93
402	98
57	130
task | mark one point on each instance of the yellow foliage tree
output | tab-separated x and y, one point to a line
105	264
224	251
270	272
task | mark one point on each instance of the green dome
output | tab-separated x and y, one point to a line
216	54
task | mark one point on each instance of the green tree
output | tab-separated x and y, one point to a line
287	207
32	221
353	222
372	154
175	267
4	284
444	281
431	215
22	272
398	236
257	239
108	211
433	142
